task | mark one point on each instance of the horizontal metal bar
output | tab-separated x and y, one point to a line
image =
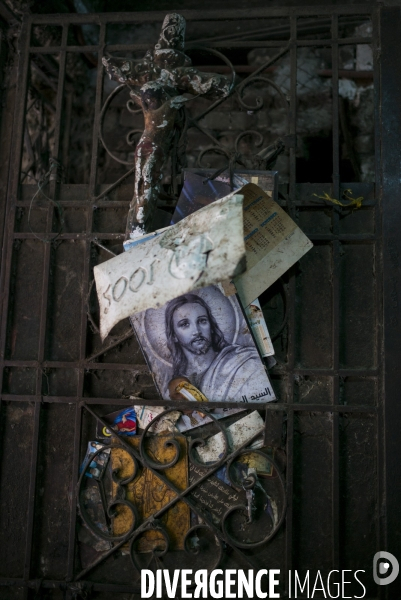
318	237
219	44
26	235
94	204
279	43
37	584
203	15
284	370
274	406
32	398
342	237
57	49
48	364
84	204
278	370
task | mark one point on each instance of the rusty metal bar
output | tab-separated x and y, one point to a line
72	236
311	27
52	584
42	327
32	495
278	44
203	15
335	301
12	192
390	137
343	237
16	153
97	112
291	313
320	408
74	475
250	44
100	203
57	49
211	44
83	324
143	368
378	265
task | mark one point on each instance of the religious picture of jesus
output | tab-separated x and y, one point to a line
202	338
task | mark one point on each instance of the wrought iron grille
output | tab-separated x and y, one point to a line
67	200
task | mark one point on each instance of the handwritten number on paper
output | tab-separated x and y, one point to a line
134	283
108	298
118	293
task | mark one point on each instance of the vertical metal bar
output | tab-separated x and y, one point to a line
293	110
390	94
5	275
74	479
66	134
32	496
43	318
335	482
83	325
291	308
11	180
80	394
60	91
290	491
380	461
50	210
14	173
98	108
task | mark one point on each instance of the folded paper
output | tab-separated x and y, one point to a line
203	249
273	243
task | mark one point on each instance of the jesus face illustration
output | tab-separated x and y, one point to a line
192	329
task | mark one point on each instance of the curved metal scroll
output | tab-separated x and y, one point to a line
205	535
106	105
250	484
110	510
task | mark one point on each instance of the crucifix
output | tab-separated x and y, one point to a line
157	85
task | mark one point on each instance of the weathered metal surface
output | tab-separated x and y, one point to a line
327	313
390	135
201	250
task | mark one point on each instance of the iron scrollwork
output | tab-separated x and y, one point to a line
207	532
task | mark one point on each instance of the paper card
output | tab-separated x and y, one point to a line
213	495
202	249
202	337
273	243
237	434
194	419
273	240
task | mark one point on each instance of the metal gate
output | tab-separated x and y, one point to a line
335	317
